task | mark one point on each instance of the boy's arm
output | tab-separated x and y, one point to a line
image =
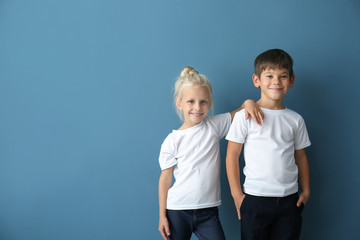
165	182
252	109
304	176
233	173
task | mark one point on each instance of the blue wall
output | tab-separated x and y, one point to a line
86	101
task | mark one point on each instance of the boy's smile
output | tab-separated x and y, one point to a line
273	84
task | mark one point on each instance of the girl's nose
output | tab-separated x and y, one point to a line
197	106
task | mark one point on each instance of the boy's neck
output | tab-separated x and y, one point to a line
273	105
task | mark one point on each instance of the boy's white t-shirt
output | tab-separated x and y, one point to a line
195	155
270	168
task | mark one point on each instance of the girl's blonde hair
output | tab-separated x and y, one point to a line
190	77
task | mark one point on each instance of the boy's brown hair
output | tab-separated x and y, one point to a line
273	58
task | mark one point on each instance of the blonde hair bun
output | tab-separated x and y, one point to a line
188	71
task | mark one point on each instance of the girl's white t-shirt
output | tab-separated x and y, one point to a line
270	168
195	155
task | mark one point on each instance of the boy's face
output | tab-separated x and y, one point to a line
274	83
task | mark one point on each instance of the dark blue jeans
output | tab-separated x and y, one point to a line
270	218
204	223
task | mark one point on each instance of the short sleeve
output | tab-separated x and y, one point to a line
222	124
238	129
301	136
167	154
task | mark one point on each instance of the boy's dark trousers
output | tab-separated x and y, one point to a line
270	218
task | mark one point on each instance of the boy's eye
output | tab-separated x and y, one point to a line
269	76
203	102
191	101
284	76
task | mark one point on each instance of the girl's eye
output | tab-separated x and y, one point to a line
203	102
191	101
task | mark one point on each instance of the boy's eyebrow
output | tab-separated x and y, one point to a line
273	71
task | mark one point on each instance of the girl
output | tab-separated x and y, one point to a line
192	154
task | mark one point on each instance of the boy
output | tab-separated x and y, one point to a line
275	158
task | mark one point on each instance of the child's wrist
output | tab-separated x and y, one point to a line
306	192
248	101
162	213
238	195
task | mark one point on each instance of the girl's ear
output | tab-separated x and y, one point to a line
256	80
178	105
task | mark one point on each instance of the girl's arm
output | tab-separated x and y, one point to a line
304	176
233	173
251	109
165	182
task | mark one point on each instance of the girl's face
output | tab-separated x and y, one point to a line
195	104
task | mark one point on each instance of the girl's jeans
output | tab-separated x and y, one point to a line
204	223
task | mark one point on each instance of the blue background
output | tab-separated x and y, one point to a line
86	100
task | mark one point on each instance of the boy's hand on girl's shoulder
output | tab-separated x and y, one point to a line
303	198
164	228
238	202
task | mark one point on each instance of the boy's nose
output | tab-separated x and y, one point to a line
276	80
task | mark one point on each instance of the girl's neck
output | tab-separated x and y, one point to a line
187	126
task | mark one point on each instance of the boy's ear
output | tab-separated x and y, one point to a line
292	79
256	80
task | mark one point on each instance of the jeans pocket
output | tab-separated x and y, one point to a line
301	208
